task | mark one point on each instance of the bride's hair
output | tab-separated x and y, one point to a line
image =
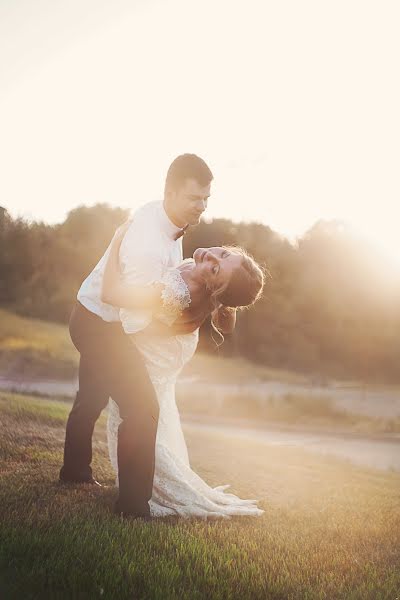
245	286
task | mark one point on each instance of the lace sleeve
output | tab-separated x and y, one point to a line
175	297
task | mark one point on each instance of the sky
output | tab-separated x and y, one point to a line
294	105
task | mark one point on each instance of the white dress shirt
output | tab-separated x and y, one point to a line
147	250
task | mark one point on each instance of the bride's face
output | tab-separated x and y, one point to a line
214	266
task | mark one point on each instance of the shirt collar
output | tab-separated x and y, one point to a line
167	225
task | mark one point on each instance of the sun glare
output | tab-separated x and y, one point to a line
287	148
386	243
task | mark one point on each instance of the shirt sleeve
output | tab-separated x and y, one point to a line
142	263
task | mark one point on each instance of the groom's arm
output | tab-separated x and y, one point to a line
141	264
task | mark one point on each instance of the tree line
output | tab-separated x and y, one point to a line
330	307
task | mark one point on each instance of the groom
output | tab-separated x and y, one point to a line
110	364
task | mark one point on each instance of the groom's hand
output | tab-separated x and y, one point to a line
158	328
182	328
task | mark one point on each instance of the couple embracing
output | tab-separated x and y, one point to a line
136	324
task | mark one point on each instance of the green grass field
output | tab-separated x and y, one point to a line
34	348
330	530
31	348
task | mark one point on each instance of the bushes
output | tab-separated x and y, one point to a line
331	306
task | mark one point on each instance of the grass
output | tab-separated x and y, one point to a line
330	530
216	369
34	348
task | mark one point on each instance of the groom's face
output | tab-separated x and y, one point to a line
190	201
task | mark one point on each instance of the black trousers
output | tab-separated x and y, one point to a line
111	365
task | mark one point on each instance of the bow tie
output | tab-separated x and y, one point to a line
181	232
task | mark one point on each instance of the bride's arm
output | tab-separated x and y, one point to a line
178	328
124	295
224	319
189	320
131	296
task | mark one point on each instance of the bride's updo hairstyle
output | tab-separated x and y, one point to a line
246	283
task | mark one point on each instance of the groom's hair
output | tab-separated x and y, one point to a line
187	166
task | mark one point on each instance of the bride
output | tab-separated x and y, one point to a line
215	281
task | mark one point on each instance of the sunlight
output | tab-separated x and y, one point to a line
384	237
90	121
265	388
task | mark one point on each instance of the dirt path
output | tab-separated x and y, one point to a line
47	387
380	452
383	401
373	401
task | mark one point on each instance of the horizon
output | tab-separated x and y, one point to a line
296	110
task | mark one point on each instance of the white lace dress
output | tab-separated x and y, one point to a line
177	489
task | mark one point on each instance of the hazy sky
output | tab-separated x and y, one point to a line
295	106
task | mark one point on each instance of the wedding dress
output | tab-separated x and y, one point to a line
177	489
